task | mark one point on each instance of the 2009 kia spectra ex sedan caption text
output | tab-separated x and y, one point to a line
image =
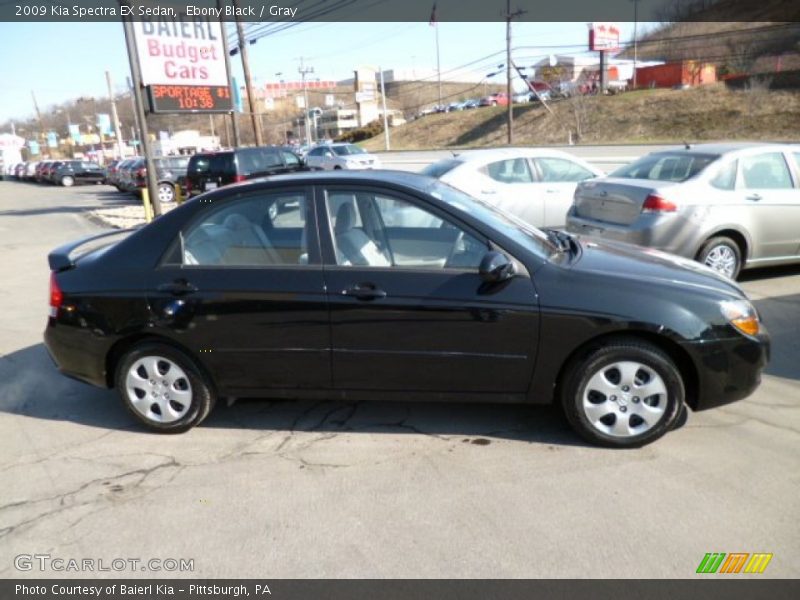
395	286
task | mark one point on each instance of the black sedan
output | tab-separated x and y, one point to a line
392	285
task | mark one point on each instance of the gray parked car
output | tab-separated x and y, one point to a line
729	206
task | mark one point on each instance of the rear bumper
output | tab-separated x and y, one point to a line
730	369
671	232
74	355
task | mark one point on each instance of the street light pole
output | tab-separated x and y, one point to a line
303	72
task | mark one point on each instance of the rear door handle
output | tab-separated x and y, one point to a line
364	291
488	192
179	287
754	197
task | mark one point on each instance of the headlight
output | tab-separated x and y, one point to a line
742	315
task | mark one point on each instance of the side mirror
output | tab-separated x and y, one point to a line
496	267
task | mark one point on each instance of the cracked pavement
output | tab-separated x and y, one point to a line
374	489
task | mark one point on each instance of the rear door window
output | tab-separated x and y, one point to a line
512	170
561	170
766	172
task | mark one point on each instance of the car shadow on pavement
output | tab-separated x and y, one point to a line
32	387
765	273
781	315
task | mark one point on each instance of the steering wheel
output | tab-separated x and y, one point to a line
456	245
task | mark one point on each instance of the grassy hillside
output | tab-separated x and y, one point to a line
707	113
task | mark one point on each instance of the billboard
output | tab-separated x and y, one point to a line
603	36
181	52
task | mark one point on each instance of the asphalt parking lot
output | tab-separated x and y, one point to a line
374	489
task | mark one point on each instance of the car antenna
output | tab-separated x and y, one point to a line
687	145
454	153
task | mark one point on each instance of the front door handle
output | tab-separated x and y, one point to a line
754	197
178	287
364	291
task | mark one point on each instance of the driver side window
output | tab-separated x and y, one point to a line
376	230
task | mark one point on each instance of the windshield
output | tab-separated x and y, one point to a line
348	149
666	166
518	230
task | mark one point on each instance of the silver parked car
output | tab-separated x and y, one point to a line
534	184
729	206
341	156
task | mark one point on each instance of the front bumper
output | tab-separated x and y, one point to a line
729	369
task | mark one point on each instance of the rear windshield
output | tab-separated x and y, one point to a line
200	163
347	150
441	167
666	166
254	160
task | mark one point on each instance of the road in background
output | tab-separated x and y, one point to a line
374	489
607	158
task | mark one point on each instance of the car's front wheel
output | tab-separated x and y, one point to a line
723	255
163	388
624	394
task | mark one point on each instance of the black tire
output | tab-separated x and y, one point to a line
193	410
119	189
665	408
716	250
337	168
67	181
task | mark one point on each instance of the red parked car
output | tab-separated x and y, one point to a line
498	99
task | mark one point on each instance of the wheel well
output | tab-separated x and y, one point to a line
119	349
736	236
678	355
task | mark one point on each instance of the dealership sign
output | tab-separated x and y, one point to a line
603	36
188	52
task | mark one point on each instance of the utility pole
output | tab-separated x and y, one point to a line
303	70
509	90
136	79
251	100
635	39
234	122
114	115
38	114
385	118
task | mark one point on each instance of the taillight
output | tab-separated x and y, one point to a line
141	172
188	185
56	295
238	178
655	203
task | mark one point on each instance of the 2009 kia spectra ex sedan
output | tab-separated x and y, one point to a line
390	285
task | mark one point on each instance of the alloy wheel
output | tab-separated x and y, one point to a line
624	399
722	259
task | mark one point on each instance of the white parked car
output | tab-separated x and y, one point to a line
536	185
341	156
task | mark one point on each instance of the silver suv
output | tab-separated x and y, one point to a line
729	206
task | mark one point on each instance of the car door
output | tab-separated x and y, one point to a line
772	204
409	311
510	185
558	178
244	290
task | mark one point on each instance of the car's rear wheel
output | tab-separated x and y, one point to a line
723	255
624	394
163	388
67	181
166	193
